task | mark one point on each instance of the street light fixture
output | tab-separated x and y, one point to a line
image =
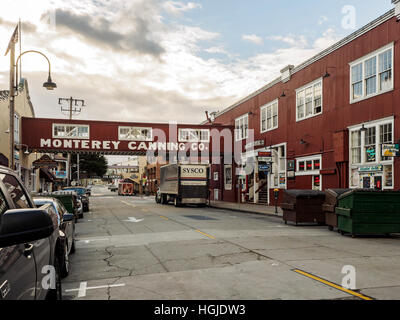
49	85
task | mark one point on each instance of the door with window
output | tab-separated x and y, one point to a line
41	248
17	268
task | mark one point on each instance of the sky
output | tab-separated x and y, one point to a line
160	61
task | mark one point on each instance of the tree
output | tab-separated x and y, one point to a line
93	165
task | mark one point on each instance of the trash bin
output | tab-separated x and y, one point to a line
331	202
303	206
369	212
68	199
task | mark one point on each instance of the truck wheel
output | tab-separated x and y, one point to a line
177	202
163	199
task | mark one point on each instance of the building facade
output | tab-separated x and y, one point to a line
331	122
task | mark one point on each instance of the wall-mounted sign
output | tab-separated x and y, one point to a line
257	143
45	162
291	165
371	154
282	179
264	154
61	174
264	167
291	175
390	150
371	168
264	159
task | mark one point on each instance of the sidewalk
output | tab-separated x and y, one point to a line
246	207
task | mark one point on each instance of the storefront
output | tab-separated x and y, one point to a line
371	154
263	170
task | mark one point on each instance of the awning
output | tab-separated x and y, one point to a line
47	175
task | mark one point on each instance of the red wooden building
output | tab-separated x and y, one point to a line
330	122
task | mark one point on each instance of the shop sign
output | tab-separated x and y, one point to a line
371	168
112	177
251	145
264	159
45	162
264	167
390	150
61	174
371	154
291	165
264	154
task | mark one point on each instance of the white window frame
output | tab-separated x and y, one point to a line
377	124
264	111
238	133
304	88
363	60
191	138
228	186
70	125
121	138
310	172
277	168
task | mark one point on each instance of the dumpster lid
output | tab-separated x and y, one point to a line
304	193
337	192
352	191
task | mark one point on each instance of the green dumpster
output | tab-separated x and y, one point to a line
369	212
68	199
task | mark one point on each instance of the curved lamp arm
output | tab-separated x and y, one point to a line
49	82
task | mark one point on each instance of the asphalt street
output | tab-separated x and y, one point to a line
130	248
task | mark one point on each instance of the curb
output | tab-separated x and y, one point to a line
247	211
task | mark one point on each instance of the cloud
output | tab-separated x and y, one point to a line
252	38
322	20
292	40
177	7
100	32
218	50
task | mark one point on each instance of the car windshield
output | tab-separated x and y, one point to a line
79	191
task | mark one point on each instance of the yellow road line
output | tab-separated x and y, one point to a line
165	218
205	234
353	293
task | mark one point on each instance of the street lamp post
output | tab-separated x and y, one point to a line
49	85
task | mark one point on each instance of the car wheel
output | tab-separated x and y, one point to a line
56	293
65	261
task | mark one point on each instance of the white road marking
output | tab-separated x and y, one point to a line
88	241
83	288
129	204
133	219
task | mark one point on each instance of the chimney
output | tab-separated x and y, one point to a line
286	72
397	8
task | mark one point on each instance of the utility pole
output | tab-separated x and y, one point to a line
74	108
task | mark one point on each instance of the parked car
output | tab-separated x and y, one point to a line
66	224
89	191
81	191
30	244
113	188
69	199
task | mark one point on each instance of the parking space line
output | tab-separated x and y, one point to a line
83	288
333	285
205	234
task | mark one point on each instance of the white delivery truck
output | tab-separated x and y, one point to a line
183	184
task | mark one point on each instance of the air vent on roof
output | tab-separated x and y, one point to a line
287	72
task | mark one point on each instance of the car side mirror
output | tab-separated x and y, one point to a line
68	217
24	225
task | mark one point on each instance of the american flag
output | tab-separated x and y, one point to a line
14	39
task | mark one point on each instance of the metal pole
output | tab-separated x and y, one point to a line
69	177
78	167
12	106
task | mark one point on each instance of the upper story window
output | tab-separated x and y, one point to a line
194	135
309	165
241	127
366	147
269	116
372	75
64	131
135	134
309	100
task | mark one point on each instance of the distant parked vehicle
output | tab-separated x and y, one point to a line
67	226
81	191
